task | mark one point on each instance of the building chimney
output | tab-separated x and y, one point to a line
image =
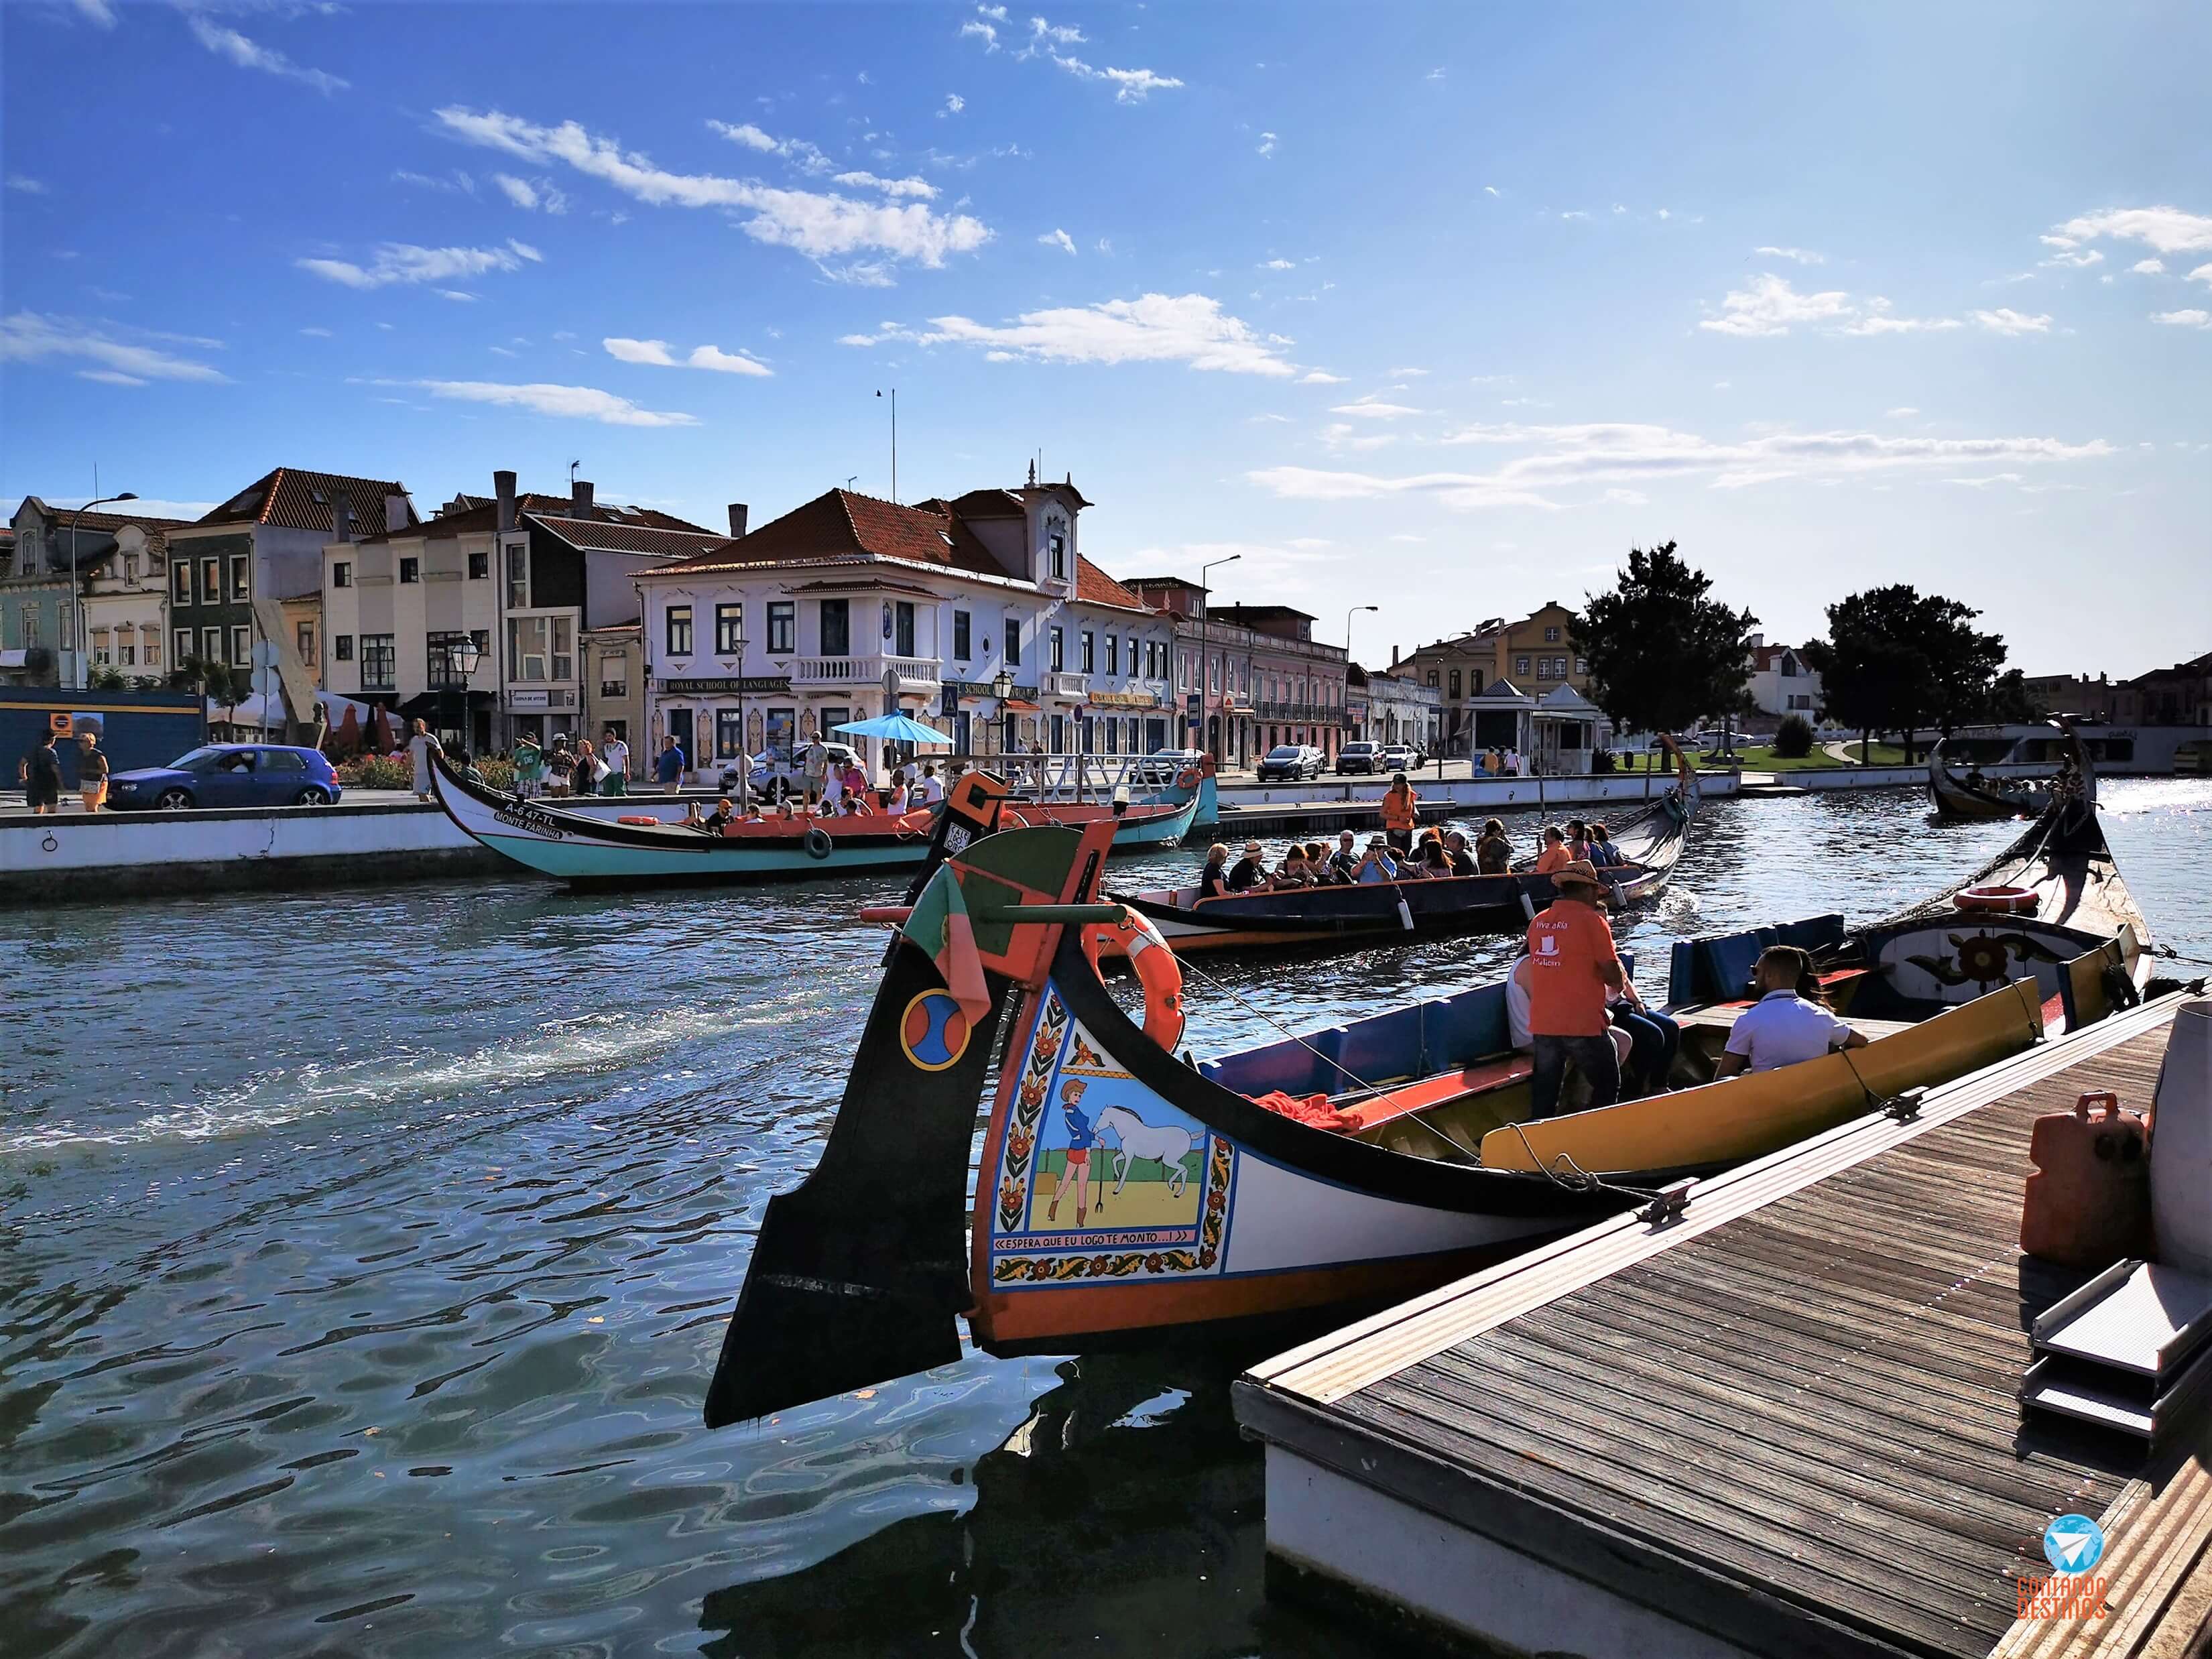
580	500
395	512
502	489
341	518
737	520
1394	658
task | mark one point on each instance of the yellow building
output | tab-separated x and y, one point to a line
1534	655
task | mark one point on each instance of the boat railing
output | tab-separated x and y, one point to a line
1081	778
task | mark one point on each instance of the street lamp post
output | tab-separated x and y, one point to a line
1204	615
464	659
745	743
1348	616
70	630
1002	687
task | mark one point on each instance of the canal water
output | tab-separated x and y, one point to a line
363	1257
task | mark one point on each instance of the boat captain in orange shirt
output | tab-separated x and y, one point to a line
1398	815
1572	968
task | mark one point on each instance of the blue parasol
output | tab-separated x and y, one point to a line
897	728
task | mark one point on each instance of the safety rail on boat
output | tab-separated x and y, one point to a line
1083	777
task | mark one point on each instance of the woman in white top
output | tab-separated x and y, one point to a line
1790	1022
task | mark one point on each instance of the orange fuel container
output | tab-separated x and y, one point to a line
2088	1201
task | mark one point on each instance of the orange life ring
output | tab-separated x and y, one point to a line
1154	965
1010	819
1188	778
2001	901
636	817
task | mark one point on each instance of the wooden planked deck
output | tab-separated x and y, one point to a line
1796	1431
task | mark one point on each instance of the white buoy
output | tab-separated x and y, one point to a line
2181	1143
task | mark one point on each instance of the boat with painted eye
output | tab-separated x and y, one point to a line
587	849
1356	914
1124	1194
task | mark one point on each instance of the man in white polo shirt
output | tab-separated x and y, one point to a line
1783	1026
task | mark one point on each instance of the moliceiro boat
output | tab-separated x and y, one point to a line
1124	1194
1971	794
586	849
1650	844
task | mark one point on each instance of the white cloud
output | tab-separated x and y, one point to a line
1878	320
1803	256
2167	229
818	225
1159	328
1770	305
1372	408
461	295
1407	373
954	103
1340	435
2182	318
109	377
1900	412
29	336
2202	274
1492	189
579	403
1556	457
1058	238
1322	377
316	333
2005	321
980	31
1278	265
2148	268
1047	40
640	351
403	262
532	198
97	11
229	43
1267	143
796	151
459	184
25	184
916	187
1628	497
722	362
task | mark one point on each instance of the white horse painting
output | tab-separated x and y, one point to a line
1132	1139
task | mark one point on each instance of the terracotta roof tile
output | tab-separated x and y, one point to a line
624	537
1095	587
290	499
842	526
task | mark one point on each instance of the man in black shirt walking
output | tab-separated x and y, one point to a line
42	776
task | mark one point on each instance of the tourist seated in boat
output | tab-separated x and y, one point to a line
1462	859
1250	874
1493	853
1602	852
1436	857
1578	841
932	787
717	820
1790	1022
1344	862
1554	856
1378	866
1653	1041
1213	880
1291	870
1573	968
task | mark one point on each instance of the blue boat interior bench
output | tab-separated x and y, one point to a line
1791	1427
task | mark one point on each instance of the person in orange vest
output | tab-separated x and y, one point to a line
1397	814
1573	967
1554	856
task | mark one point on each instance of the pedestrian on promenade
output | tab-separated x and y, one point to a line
41	774
616	753
590	768
1398	813
1513	762
92	773
816	770
671	767
528	766
1572	966
420	748
560	766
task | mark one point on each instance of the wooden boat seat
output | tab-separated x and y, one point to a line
1442	1090
1721	1016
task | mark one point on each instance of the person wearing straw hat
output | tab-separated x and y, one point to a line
1250	873
1573	968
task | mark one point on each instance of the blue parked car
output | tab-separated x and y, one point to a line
230	774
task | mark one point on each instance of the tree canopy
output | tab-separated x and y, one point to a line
1663	653
1897	659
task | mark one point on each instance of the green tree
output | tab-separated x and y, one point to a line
1899	660
1663	653
1793	738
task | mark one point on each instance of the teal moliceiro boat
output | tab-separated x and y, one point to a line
590	851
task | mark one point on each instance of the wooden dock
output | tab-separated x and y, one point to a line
1785	1422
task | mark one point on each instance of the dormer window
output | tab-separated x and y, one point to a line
1056	543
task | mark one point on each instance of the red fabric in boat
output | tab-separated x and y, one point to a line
1313	1110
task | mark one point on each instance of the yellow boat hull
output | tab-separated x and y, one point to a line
1749	1116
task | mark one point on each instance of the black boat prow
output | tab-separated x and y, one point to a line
860	1272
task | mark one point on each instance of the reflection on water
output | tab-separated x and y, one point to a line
364	1256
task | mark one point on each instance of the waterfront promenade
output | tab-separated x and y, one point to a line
398	1228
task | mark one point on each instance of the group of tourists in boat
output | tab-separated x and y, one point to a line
1391	856
1124	1191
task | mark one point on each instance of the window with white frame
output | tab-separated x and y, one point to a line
180	581
240	572
241	647
379	663
182	640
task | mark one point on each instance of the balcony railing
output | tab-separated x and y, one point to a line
915	673
1058	684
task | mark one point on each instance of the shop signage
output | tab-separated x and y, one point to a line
1123	700
522	702
710	684
983	689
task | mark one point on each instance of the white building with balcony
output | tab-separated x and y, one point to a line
848	607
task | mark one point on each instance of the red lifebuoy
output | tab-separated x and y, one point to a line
1156	969
2000	901
1010	819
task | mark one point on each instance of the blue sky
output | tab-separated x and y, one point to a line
1435	308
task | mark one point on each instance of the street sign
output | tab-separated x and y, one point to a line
948	700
